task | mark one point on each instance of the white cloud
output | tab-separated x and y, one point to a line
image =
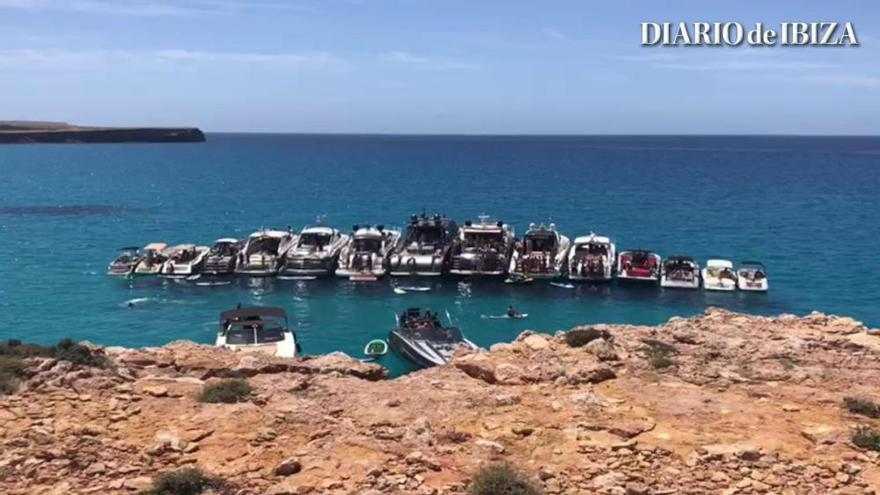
427	63
554	34
68	60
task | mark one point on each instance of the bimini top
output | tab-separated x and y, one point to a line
252	313
226	240
719	263
592	238
368	231
155	246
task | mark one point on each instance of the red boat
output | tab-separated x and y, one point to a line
638	265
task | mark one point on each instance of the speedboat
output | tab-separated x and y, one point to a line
483	248
155	255
427	243
184	260
365	256
638	265
125	261
263	254
315	252
719	275
752	276
542	253
258	329
223	257
680	272
591	259
422	339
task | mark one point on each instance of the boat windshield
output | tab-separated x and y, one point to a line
425	234
592	249
265	245
371	245
222	249
483	240
540	242
256	332
314	240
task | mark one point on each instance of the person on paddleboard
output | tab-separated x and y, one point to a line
512	313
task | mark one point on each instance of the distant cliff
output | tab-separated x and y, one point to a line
55	132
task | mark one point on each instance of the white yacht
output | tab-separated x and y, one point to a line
680	272
258	329
427	242
483	248
263	254
154	256
719	275
592	259
542	253
365	256
223	257
638	265
752	276
184	260
315	252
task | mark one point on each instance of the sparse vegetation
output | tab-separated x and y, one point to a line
14	352
580	337
863	407
659	353
188	481
225	391
501	479
866	438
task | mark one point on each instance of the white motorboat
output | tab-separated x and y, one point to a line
752	276
315	252
264	252
125	262
427	243
680	272
638	265
154	256
223	257
184	260
542	253
365	256
483	248
258	329
591	259
719	275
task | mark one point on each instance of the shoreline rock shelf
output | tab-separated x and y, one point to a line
738	404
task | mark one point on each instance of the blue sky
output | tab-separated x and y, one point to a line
426	66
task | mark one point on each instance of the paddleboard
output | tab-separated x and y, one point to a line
297	277
218	283
367	277
398	290
521	316
410	288
519	280
562	285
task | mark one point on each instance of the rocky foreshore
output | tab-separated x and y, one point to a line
721	403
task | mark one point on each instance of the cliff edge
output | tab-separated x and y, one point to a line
18	132
719	403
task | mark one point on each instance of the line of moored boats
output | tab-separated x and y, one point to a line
435	246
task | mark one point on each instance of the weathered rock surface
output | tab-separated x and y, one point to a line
747	405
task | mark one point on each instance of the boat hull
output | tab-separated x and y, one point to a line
679	284
411	351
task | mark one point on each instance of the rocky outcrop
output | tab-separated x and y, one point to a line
737	404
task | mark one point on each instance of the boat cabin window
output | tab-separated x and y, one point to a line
240	335
424	234
592	249
483	239
314	239
254	333
265	245
541	243
371	245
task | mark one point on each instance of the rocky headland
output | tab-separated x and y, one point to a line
15	132
722	403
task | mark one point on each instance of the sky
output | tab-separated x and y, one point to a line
431	66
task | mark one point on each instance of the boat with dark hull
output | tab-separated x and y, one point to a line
421	338
426	246
483	249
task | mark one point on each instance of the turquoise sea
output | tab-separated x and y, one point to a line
808	207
